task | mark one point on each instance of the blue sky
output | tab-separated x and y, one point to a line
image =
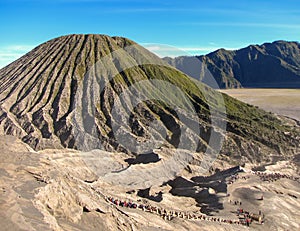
195	26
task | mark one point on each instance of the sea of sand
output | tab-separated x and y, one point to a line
280	101
54	190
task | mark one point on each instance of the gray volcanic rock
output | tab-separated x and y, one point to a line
271	65
98	92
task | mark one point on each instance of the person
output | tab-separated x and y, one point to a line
247	222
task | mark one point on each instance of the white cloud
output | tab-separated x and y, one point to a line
201	49
8	54
165	50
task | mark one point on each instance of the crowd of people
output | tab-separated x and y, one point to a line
244	217
270	177
169	214
236	177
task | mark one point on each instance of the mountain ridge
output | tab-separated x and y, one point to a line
42	92
270	65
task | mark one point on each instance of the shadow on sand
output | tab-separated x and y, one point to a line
204	189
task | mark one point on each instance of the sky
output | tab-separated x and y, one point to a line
194	26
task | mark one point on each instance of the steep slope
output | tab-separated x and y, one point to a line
271	65
80	91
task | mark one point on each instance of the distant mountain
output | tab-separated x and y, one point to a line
61	91
271	65
81	92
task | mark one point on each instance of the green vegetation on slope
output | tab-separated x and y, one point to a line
73	84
